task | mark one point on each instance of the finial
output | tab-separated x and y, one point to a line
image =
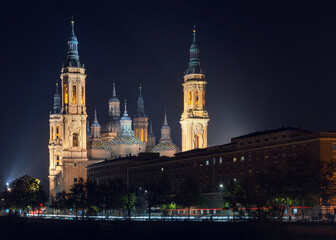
165	118
140	89
72	26
114	91
151	126
194	34
56	86
125	111
95	116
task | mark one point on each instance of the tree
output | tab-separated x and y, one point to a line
189	194
157	192
328	182
77	196
25	193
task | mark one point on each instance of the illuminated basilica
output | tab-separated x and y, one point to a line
73	144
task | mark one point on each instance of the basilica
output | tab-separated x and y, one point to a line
74	144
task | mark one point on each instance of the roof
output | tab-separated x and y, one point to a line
273	131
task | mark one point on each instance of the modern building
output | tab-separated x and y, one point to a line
214	167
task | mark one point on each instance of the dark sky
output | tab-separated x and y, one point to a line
268	65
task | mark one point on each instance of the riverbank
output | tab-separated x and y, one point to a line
30	228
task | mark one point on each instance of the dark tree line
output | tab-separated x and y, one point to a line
301	180
24	193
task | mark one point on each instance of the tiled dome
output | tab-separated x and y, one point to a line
97	144
126	140
165	146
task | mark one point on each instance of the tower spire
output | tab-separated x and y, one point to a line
125	110
57	101
114	91
194	62
141	104
165	118
73	57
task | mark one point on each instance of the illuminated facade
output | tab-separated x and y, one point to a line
67	144
194	119
166	147
141	120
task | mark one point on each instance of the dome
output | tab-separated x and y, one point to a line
97	144
125	140
165	146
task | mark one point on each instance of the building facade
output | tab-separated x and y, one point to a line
194	119
214	167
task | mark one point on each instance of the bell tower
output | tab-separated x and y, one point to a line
141	120
194	119
74	159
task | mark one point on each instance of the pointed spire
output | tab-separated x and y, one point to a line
57	101
95	116
194	62
194	34
114	91
72	26
165	118
151	128
125	110
141	104
73	57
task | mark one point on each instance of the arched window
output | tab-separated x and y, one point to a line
51	133
82	95
189	98
142	135
66	95
197	98
203	98
75	140
196	141
74	94
57	132
57	160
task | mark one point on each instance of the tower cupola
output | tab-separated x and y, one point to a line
165	131
73	57
194	62
125	124
95	127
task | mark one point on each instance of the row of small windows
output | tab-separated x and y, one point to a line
266	139
197	98
52	136
74	94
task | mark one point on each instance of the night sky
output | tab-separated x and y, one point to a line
267	65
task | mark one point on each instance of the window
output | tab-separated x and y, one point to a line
334	146
196	141
257	141
294	210
207	162
162	169
74	94
82	95
75	180
220	160
57	160
242	158
75	140
189	98
197	98
283	136
234	159
214	160
57	132
66	96
275	137
203	97
52	133
75	164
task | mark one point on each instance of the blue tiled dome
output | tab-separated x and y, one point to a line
125	140
165	146
97	144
